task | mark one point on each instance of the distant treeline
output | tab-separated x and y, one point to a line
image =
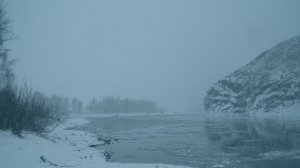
66	105
117	105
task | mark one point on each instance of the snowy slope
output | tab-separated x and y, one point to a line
270	81
61	148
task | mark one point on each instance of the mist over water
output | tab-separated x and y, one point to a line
168	51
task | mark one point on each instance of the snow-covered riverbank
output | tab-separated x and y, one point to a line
60	148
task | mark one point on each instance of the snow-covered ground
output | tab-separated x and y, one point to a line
291	111
60	148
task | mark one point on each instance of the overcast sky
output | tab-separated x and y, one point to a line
170	51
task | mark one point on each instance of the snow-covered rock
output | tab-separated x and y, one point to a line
270	81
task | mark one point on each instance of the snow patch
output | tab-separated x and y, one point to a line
60	148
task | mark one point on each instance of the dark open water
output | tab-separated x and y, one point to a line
197	141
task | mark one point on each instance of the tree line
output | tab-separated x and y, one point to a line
74	105
112	104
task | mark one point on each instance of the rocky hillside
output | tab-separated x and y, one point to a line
270	81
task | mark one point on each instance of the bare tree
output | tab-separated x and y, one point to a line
6	71
20	107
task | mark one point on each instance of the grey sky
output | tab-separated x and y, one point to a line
170	51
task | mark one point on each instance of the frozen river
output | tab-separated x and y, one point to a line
197	141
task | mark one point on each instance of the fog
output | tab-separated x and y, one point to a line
169	51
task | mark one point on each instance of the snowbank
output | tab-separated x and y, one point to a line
60	148
291	111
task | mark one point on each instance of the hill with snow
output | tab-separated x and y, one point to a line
271	81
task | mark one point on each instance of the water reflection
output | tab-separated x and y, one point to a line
257	142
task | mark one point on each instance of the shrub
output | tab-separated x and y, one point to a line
21	109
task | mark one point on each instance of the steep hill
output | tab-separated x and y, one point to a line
270	81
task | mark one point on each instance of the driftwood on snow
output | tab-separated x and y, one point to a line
45	160
105	142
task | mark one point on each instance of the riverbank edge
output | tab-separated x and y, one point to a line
60	148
